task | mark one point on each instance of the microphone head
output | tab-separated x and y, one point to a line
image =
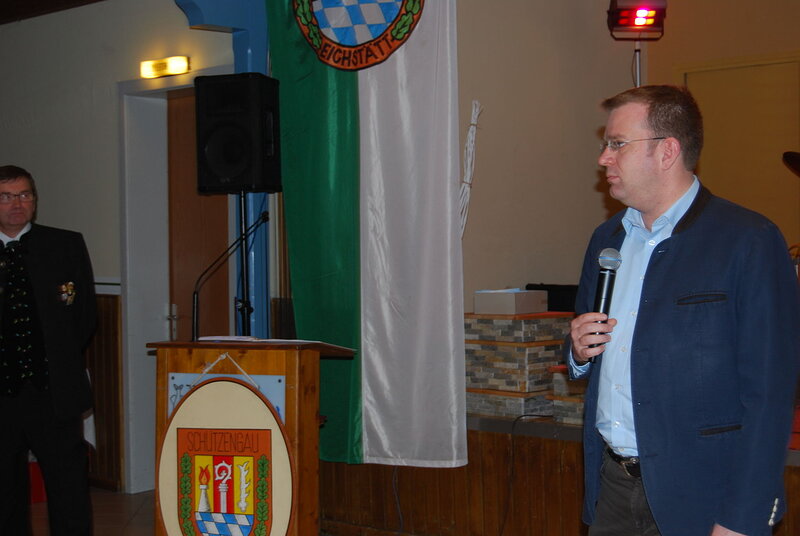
609	259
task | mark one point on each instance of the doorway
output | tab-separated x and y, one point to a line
198	230
145	269
751	117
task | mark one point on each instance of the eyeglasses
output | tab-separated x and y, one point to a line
616	145
8	197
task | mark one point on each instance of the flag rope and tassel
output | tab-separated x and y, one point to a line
469	165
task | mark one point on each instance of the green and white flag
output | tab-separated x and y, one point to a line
369	134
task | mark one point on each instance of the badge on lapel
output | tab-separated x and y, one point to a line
66	292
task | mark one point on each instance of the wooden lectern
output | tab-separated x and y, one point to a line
298	362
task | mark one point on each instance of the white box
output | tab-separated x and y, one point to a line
510	302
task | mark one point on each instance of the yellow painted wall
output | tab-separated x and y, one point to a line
539	70
742	61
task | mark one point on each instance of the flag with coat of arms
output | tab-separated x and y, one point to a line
369	140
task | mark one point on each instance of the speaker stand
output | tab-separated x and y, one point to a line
243	305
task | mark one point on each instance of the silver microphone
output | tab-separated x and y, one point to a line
609	261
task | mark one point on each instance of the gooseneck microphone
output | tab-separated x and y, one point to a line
609	261
215	265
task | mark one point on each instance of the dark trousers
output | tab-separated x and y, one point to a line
29	423
622	508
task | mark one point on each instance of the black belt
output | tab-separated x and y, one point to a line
629	463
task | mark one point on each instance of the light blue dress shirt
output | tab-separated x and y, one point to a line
615	404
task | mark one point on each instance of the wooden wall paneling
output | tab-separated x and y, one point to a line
391	513
414	507
415	500
521	479
429	482
572	488
330	486
347	490
382	496
434	499
461	494
409	505
792	517
361	499
387	516
546	483
334	528
495	454
552	483
407	495
336	510
428	505
103	360
325	487
474	485
355	500
536	491
790	525
446	499
350	493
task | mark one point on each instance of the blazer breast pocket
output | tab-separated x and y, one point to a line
703	297
719	430
703	318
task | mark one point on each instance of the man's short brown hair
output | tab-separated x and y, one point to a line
672	112
10	173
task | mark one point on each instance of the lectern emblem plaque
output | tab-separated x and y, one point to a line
224	481
224	465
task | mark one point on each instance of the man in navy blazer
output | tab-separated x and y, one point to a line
47	316
691	380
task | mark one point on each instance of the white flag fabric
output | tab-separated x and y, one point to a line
412	314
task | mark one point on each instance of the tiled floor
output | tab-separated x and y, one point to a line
115	514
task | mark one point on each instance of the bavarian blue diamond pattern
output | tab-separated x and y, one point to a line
225	524
354	22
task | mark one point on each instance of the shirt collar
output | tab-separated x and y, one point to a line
6	239
670	218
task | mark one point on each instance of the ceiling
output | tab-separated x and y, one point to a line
16	10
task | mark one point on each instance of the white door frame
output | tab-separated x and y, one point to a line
144	261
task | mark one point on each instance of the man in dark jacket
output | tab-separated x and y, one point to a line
47	316
691	381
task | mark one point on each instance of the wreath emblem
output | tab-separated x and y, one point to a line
357	35
225	481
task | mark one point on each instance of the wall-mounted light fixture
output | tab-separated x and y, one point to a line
164	67
637	20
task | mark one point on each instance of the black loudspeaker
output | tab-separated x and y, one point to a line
238	135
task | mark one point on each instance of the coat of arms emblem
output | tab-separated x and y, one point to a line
356	34
224	480
224	466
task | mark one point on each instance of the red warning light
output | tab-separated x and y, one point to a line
633	20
